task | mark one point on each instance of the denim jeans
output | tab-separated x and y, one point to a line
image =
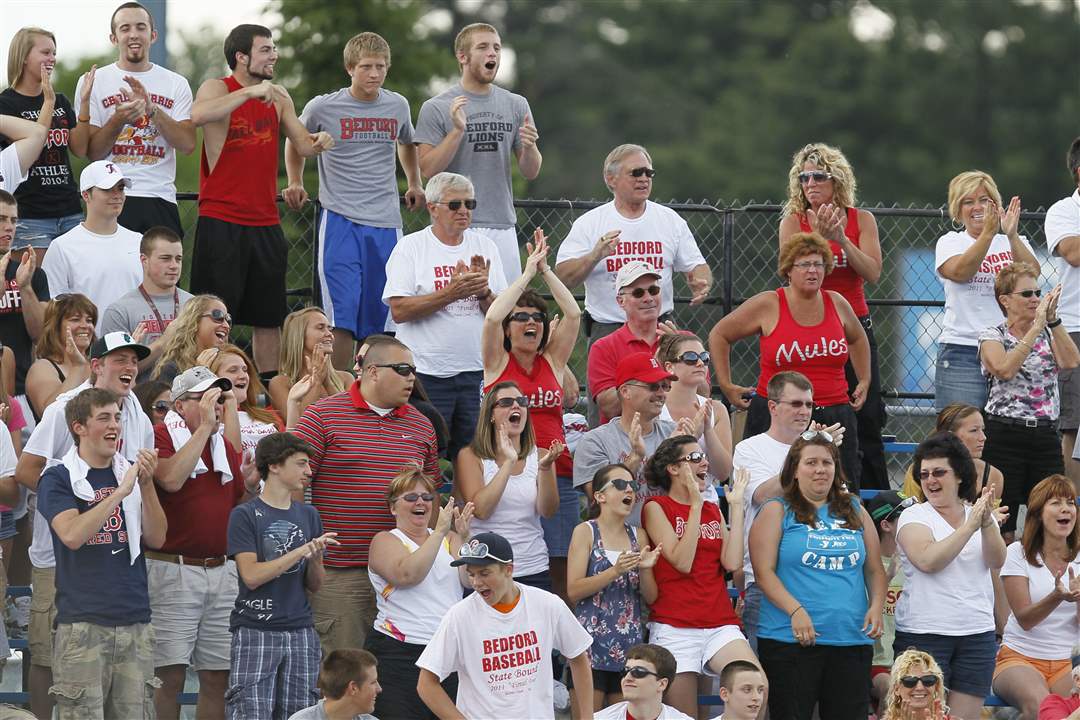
39	232
958	377
457	398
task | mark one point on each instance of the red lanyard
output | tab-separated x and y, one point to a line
153	306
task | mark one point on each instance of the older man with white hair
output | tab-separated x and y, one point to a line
439	283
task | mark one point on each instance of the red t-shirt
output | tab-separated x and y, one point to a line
1055	707
698	599
843	279
545	394
198	513
817	351
242	187
605	354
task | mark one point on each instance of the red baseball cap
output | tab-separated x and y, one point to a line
640	366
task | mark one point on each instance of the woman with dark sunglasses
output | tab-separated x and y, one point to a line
916	689
609	573
204	322
821	198
1021	359
509	482
949	547
692	615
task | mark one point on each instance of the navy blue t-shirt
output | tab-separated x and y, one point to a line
270	532
97	583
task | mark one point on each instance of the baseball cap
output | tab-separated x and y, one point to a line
887	503
114	341
640	366
633	270
197	379
102	174
485	549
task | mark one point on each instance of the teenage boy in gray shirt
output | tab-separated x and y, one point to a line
472	129
360	221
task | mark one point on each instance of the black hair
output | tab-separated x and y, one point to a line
946	446
277	448
240	39
668	453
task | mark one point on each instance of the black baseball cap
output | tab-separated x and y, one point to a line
887	503
115	341
485	549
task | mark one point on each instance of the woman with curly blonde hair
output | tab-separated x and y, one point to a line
307	348
204	322
821	198
917	689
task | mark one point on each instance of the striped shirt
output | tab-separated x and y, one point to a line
356	453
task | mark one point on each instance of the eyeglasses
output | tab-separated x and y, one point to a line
525	317
474	549
695	457
455	205
797	404
664	385
218	316
936	472
638	293
1028	293
620	484
808	265
161	406
413	497
402	369
811	434
691	358
636	671
910	681
816	175
506	402
638	172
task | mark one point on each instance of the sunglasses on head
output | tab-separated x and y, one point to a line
413	497
811	434
455	205
1028	293
161	406
664	385
694	457
936	472
620	484
527	316
638	172
691	358
638	293
639	672
218	316
910	681
402	369
815	175
506	402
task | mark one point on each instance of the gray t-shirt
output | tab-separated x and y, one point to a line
492	122
318	712
130	311
358	176
609	444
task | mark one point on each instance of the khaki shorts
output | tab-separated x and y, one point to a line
42	616
344	608
89	658
190	608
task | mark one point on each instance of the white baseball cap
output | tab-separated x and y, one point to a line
102	174
633	270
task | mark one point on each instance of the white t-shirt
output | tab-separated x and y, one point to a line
516	518
11	171
970	307
1062	221
956	600
8	459
660	237
101	267
52	439
503	660
1054	637
447	342
252	431
618	712
141	151
764	457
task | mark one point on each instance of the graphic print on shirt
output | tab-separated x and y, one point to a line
992	264
10	297
821	347
510	663
51	167
139	143
835	548
279	538
465	307
112	530
369	129
650	251
486	130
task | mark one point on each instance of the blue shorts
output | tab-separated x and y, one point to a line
560	526
352	273
967	661
39	232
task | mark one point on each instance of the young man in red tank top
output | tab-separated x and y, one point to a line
240	251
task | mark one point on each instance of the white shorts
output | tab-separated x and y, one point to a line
190	608
693	648
506	240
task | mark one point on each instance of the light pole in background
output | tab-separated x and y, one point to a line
159	51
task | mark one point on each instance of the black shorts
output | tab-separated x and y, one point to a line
608	682
244	265
142	213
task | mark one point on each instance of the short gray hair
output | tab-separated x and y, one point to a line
615	157
445	182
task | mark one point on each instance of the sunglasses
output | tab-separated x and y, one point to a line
811	434
694	457
797	404
638	293
639	672
691	358
402	369
664	385
413	497
455	205
638	172
904	505
1028	293
218	316
910	681
936	472
161	406
506	402
526	317
475	549
815	175
620	484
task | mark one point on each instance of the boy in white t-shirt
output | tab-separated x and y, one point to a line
742	688
649	671
499	641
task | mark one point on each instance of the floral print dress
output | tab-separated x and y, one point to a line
613	615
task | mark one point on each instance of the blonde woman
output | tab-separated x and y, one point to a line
307	347
256	422
204	322
917	688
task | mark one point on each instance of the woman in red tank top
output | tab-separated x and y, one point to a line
803	329
520	344
821	198
692	615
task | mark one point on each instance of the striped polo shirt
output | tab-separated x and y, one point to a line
356	453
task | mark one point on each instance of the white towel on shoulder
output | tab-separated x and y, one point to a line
131	505
179	433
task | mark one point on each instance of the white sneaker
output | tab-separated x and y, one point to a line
562	697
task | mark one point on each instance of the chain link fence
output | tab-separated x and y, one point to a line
739	241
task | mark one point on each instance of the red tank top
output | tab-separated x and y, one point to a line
243	184
545	405
843	279
700	598
817	351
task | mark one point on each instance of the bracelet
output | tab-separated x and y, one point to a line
1053	323
792	613
83	119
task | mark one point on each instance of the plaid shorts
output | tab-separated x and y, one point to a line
273	673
